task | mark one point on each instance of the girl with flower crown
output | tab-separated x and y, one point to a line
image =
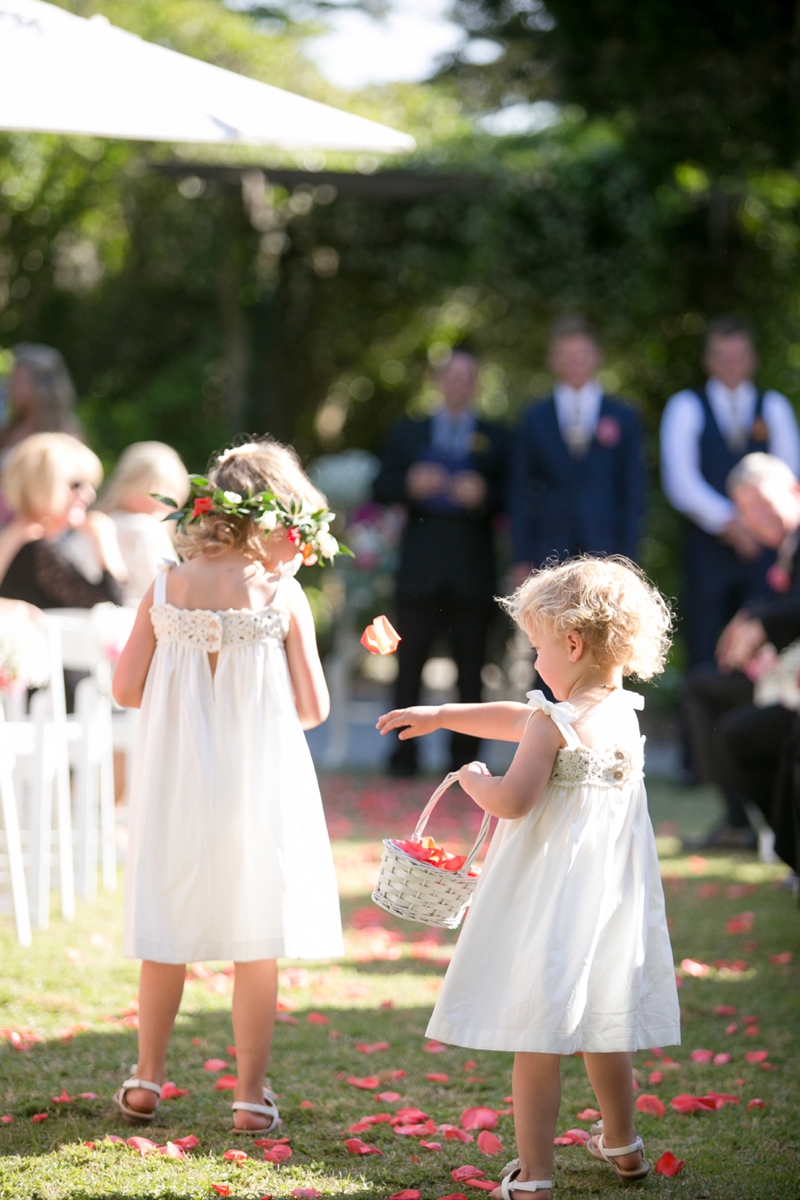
566	948
228	854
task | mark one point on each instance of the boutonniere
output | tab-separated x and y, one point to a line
759	431
608	432
480	443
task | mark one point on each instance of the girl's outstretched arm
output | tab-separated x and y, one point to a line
514	794
305	670
130	674
503	721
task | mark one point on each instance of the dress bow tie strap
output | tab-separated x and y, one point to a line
562	713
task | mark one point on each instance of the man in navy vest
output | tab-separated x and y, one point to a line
579	478
704	434
450	471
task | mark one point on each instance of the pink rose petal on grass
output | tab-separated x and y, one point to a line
317	1018
356	1146
225	1083
781	960
388	1097
214	1064
305	1193
460	1174
668	1164
486	1185
489	1143
437	1077
87	1095
724	1010
453	1196
64	1098
431	1145
222	1189
453	1133
37	1118
690	966
369	1082
755	1103
235	1156
588	1114
306	1104
655	1078
406	1194
372	1047
701	1056
756	1056
732	1028
478	1118
170	1092
6	1120
721	1059
142	1145
187	1143
652	1105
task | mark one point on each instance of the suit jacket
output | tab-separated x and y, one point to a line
440	552
563	505
779	612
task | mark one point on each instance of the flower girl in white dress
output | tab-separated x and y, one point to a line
228	855
565	947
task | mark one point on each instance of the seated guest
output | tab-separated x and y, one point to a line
41	395
705	432
738	745
144	537
50	480
578	476
450	471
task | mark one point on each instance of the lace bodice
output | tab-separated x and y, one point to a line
213	631
577	764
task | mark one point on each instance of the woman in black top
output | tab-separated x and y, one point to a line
50	479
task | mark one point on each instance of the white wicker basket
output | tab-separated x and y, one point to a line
418	891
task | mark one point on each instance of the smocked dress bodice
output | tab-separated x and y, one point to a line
212	631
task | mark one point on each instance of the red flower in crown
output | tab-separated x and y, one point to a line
202	504
293	535
608	432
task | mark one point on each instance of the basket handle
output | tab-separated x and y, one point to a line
419	828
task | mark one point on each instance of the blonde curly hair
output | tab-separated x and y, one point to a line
263	465
610	602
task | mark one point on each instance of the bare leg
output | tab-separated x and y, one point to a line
611	1076
537	1099
160	991
255	996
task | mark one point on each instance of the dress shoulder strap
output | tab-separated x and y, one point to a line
635	699
160	585
562	715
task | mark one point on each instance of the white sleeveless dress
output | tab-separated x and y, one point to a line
565	946
228	853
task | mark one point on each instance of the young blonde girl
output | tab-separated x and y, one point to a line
228	856
566	946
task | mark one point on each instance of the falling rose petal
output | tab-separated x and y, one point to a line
225	1083
719	1060
701	1056
668	1164
588	1114
234	1155
460	1174
489	1143
64	1098
380	637
214	1064
170	1092
188	1142
651	1105
368	1083
406	1194
478	1118
222	1189
305	1193
356	1146
37	1118
431	1145
437	1077
755	1103
388	1097
781	960
756	1056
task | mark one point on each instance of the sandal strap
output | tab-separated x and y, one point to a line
141	1083
618	1151
261	1109
510	1184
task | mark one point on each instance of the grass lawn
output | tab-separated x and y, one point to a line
68	1024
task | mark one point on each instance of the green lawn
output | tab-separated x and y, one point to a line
66	1000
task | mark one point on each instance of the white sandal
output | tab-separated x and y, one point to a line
509	1184
268	1109
136	1116
598	1149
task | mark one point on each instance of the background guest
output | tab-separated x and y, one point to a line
579	478
450	471
41	395
738	745
704	434
144	537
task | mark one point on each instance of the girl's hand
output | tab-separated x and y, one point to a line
412	722
469	771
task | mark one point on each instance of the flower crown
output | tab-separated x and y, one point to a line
308	530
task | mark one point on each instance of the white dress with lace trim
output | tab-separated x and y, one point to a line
228	853
566	946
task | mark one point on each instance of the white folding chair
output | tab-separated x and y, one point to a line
13	842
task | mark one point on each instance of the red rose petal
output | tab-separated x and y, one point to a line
234	1155
306	1104
720	1059
436	1077
388	1097
222	1189
431	1145
142	1145
317	1018
435	1047
781	960
372	1047
588	1114
356	1146
225	1083
406	1194
724	1010
188	1142
701	1056
305	1193
489	1143
651	1105
453	1133
380	637
460	1174
755	1103
214	1064
170	1092
478	1118
756	1056
668	1164
368	1083
486	1185
39	1117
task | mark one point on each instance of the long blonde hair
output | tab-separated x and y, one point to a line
41	469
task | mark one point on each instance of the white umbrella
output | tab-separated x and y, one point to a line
62	74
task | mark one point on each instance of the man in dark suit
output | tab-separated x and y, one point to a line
739	745
450	472
579	477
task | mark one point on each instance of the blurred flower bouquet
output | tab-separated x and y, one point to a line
112	625
24	657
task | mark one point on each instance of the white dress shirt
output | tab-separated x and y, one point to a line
682	427
577	412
